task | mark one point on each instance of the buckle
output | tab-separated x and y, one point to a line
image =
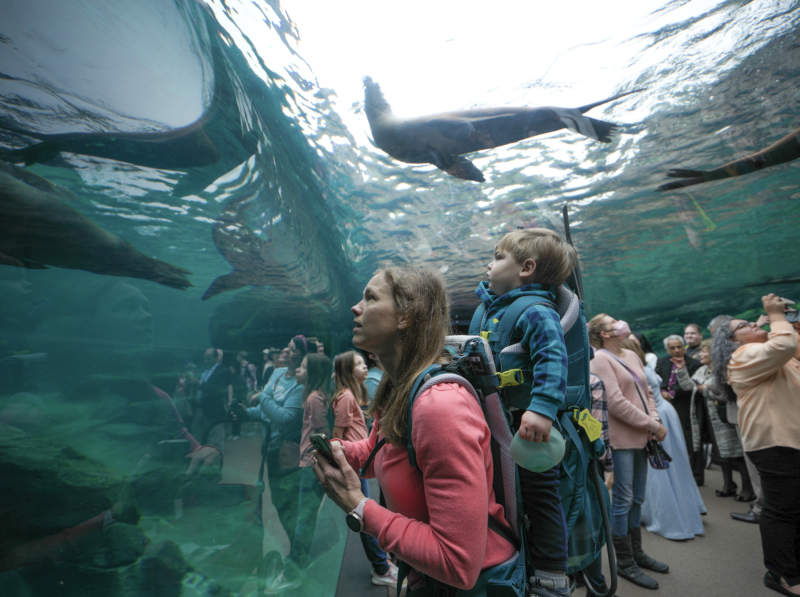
485	335
510	378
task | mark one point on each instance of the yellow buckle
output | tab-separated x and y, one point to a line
512	377
485	336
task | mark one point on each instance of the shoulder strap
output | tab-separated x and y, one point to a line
477	317
511	317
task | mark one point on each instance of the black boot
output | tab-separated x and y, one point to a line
644	560
602	590
627	567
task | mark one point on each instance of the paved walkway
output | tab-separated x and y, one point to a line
725	562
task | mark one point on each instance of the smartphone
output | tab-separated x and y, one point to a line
172	450
323	446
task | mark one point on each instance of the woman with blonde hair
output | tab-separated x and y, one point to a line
436	514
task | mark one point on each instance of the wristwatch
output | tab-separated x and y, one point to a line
355	519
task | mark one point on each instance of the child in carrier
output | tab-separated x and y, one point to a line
349	424
534	263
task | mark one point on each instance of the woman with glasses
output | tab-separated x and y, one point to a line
764	372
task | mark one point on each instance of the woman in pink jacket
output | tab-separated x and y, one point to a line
632	418
436	514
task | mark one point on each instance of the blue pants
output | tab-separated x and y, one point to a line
308	506
375	555
630	482
542	502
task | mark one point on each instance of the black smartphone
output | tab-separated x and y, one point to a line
172	450
323	446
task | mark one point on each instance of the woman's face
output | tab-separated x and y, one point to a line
377	322
301	375
747	331
295	356
360	370
705	356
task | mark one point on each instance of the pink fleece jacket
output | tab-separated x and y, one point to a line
436	519
628	423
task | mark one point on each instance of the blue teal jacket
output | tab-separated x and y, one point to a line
540	333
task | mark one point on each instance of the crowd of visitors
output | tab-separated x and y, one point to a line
727	400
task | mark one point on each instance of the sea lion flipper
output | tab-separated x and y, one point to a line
466	170
588	127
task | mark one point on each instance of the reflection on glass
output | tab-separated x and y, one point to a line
191	200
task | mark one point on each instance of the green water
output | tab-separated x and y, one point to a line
215	186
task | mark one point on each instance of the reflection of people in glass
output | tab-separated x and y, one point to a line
281	408
213	394
114	424
313	375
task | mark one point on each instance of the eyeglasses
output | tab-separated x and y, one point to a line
740	326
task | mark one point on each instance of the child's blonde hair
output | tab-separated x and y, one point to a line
554	257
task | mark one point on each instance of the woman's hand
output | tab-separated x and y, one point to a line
342	485
609	479
205	463
774	306
762	320
661	434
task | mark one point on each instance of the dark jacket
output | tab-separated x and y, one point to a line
683	398
214	393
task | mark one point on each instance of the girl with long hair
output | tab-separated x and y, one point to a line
350	424
435	519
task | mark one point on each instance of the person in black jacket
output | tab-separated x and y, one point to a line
676	372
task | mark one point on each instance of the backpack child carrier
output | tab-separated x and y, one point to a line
581	498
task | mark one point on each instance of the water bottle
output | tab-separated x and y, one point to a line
538	457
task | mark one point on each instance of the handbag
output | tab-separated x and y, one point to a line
657	456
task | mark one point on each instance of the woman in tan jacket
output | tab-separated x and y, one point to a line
763	370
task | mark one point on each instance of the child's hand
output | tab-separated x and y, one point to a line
535	427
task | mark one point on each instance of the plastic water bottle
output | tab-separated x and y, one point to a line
538	457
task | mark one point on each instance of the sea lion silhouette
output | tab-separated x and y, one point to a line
785	150
251	257
441	139
38	229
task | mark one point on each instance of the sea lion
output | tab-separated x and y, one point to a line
785	150
251	257
206	149
441	139
39	229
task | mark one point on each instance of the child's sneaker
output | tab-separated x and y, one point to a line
389	579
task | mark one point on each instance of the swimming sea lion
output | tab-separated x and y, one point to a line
38	228
251	256
785	150
206	149
441	139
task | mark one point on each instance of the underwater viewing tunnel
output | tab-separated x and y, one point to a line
194	193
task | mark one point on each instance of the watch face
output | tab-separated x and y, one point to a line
354	523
